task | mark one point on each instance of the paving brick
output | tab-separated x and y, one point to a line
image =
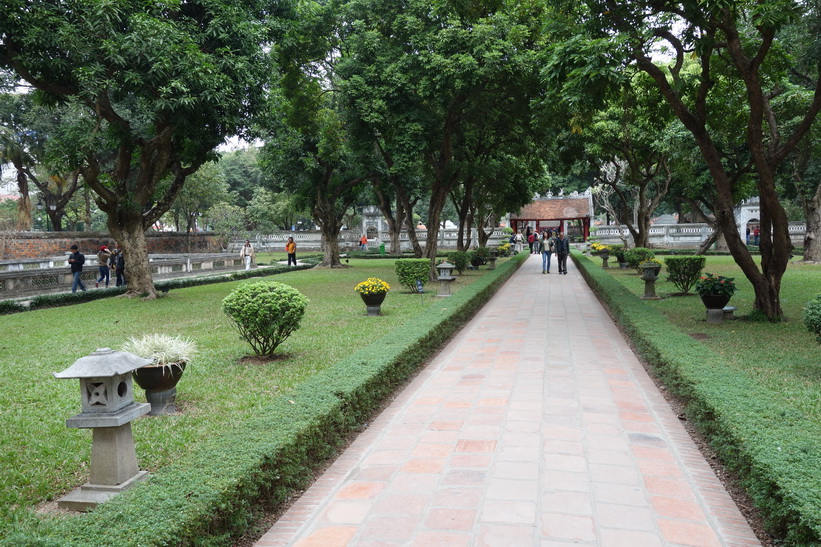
511	439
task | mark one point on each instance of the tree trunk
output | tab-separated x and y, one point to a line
394	221
812	238
707	243
24	203
130	235
330	234
407	205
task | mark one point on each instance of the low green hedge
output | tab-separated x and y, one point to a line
772	448
220	487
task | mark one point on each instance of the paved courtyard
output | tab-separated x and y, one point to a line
535	425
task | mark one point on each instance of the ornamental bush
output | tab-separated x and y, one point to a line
618	251
636	256
684	271
411	270
482	253
265	313
812	317
459	259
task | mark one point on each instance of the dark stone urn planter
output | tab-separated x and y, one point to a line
160	385
373	302
715	301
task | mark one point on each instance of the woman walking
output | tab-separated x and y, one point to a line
290	248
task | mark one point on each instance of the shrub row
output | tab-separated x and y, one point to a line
772	448
219	488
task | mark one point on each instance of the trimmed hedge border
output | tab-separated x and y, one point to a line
164	285
777	462
220	488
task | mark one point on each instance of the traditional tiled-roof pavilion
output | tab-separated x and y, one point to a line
546	211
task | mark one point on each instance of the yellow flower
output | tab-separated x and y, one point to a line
372	285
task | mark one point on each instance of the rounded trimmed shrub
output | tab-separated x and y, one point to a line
812	317
411	270
636	256
684	271
265	313
459	259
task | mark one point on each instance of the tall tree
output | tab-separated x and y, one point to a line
163	83
734	39
308	149
425	78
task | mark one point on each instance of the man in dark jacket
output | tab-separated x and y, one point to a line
562	250
76	260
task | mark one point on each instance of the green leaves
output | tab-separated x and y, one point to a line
265	313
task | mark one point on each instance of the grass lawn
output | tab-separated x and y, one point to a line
41	459
753	387
781	355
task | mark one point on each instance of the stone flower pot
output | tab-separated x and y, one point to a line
160	385
715	301
373	302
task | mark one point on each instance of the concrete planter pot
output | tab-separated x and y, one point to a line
715	301
373	302
160	385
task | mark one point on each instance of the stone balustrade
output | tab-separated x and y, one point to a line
19	279
682	236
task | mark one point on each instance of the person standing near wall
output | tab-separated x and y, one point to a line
76	260
562	250
290	248
247	254
363	243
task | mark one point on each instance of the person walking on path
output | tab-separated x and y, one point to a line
76	260
247	254
519	242
562	250
290	248
103	266
546	250
531	239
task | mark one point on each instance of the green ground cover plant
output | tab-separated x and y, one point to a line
753	388
249	430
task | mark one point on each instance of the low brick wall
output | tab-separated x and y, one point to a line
18	245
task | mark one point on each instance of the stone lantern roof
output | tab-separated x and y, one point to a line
103	363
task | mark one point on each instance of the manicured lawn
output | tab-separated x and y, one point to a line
782	355
40	458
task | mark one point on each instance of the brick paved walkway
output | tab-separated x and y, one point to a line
536	425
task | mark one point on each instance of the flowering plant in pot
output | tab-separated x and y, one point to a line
715	290
170	355
372	285
373	291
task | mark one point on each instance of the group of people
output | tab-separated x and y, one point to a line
545	243
247	252
108	261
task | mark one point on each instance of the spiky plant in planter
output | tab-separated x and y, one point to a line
170	354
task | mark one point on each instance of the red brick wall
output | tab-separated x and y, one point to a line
42	244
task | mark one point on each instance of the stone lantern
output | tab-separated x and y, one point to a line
445	278
649	276
494	254
108	408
